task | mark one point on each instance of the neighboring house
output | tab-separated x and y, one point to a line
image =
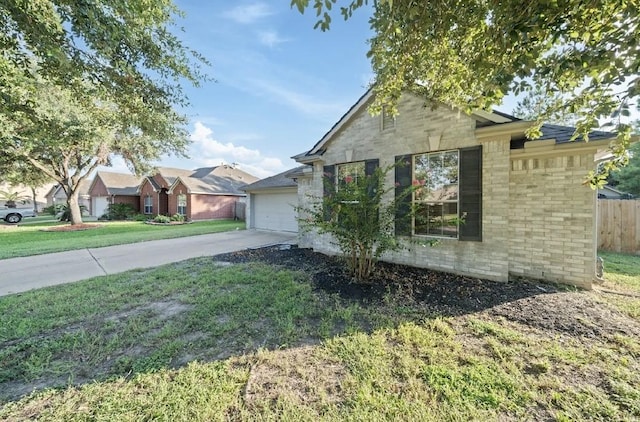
526	210
57	196
272	202
113	188
200	194
609	192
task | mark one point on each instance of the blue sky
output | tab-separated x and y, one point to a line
280	84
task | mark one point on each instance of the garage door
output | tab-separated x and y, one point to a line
274	211
99	205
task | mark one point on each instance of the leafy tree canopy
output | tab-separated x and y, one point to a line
627	179
81	81
470	54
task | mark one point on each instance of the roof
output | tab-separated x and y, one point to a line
280	180
561	134
219	180
83	188
119	183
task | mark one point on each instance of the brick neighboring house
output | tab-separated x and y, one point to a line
113	188
200	194
526	210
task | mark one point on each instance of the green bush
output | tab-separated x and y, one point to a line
65	212
53	209
120	211
140	217
161	219
177	217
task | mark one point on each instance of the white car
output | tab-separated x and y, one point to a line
15	215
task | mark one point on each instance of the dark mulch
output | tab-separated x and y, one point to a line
540	305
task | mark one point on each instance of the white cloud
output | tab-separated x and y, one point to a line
207	151
249	13
303	103
270	38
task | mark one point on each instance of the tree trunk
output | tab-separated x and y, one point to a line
75	214
35	202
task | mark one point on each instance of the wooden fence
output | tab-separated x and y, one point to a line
619	225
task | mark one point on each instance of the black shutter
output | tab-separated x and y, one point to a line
471	193
328	183
370	167
403	172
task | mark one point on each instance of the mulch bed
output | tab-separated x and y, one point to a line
72	228
536	304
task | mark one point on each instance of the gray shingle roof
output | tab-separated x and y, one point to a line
220	180
120	183
280	180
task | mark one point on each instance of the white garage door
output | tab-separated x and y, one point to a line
99	205
274	211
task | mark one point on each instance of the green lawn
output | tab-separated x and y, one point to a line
25	240
199	341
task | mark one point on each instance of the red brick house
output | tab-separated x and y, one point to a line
113	188
200	194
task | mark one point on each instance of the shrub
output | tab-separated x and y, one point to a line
53	209
65	213
359	219
140	217
161	219
120	211
177	217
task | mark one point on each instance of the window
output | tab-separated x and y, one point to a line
148	205
448	201
436	197
388	120
349	173
182	204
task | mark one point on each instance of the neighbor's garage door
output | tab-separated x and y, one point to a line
99	205
275	211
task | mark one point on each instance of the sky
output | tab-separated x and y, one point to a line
280	84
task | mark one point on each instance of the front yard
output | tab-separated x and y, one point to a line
208	339
33	239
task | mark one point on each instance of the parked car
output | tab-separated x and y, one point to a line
15	215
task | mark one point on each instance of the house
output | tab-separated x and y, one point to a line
525	209
200	194
26	192
609	192
113	188
57	196
272	202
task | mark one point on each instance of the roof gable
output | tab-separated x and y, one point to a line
280	180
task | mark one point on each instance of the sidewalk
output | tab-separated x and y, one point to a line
32	272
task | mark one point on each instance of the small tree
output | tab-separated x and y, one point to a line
360	219
12	198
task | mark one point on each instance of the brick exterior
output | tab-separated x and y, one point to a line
132	200
147	190
207	207
537	219
98	188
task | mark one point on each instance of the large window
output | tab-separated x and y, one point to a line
349	173
182	204
436	197
148	205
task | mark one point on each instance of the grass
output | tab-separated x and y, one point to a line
198	341
622	273
33	240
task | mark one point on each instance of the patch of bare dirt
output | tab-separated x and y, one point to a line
72	228
298	374
537	305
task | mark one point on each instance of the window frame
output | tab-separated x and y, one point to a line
415	202
338	182
178	206
148	208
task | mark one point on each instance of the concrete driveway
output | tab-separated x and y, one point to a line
32	272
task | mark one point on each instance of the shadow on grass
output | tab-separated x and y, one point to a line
208	310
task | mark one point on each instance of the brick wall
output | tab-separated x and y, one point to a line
208	207
147	190
132	200
419	129
552	218
537	218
